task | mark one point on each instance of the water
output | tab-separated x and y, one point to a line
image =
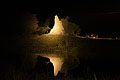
57	63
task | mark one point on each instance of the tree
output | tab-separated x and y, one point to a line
29	23
69	27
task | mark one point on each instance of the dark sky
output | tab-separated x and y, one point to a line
91	16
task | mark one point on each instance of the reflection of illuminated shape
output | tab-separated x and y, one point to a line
57	63
57	28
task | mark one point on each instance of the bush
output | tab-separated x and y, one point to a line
69	27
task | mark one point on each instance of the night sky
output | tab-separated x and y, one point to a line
92	17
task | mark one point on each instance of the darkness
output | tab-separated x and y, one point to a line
102	18
93	17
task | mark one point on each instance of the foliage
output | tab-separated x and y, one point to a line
69	27
28	23
42	30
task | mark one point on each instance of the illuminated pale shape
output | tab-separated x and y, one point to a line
57	63
58	27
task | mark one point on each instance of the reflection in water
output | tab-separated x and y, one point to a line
58	29
57	63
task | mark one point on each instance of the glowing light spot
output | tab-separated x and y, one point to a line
58	27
